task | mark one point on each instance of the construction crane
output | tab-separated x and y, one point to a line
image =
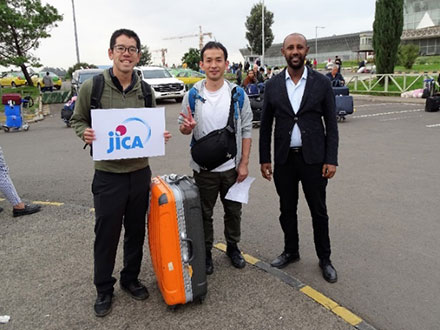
200	35
162	51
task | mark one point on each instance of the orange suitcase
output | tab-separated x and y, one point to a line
176	239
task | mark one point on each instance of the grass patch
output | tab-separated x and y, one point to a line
422	67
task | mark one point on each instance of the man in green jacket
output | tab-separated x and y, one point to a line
120	187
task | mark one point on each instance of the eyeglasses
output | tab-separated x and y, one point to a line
121	49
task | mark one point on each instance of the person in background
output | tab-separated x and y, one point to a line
238	75
250	79
338	62
335	77
268	74
48	83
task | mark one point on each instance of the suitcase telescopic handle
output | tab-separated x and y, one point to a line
190	248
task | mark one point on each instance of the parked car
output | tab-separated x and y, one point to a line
37	79
12	79
189	77
165	86
79	76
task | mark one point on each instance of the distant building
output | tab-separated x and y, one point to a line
353	46
421	26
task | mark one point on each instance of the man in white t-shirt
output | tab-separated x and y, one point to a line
211	112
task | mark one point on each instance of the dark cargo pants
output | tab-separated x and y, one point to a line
210	184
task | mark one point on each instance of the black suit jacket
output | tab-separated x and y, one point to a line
316	119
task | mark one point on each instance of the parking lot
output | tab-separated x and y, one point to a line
384	227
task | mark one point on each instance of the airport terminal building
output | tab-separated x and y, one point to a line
421	27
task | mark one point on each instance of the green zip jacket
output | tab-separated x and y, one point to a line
112	98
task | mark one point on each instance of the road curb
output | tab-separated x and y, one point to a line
331	305
391	99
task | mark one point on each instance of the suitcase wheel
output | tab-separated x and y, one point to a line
202	299
172	308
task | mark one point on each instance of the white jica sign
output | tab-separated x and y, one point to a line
128	133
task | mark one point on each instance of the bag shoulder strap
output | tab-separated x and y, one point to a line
239	96
97	88
147	95
233	109
194	95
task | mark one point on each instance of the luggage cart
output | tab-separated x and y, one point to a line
14	118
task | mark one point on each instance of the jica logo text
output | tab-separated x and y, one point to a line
121	139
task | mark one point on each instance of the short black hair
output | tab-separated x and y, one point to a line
211	45
295	34
126	32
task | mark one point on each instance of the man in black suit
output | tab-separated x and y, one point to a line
302	103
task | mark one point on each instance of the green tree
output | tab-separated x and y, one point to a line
408	54
23	23
387	29
254	32
145	56
79	66
192	58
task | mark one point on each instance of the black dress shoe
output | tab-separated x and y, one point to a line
209	266
1	209
103	304
234	254
135	289
328	271
284	259
28	209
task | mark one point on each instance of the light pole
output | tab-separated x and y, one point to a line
316	41
76	34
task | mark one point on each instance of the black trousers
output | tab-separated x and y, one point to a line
120	199
287	178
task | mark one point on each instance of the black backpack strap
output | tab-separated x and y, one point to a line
95	100
146	92
232	110
97	89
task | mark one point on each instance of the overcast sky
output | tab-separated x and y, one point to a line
155	20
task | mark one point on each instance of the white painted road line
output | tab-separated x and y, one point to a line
387	113
399	118
434	125
382	104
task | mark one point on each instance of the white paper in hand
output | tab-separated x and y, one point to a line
239	192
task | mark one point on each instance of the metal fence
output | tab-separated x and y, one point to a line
380	83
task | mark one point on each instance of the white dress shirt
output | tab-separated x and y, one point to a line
295	93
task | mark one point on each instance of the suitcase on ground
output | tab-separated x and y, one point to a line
257	107
14	97
176	239
344	105
432	103
66	114
341	90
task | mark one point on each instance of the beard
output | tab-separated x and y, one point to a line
295	66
